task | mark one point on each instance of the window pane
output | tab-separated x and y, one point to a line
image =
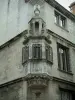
66	95
64	61
61	23
63	58
47	53
68	60
60	19
37	51
57	19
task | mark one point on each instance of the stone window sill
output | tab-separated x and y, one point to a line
67	72
61	27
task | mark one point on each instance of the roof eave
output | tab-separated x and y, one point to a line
72	4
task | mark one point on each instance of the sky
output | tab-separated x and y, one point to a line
65	3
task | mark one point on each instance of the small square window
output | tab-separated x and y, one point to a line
56	18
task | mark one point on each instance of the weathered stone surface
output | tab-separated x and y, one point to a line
15	15
14	19
11	61
14	91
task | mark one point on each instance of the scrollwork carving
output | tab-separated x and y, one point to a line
37	82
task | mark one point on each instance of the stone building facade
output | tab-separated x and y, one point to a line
37	55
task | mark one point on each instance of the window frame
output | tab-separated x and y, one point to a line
66	63
35	51
60	18
57	18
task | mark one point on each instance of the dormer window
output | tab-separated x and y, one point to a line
60	20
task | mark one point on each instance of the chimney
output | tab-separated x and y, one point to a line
72	7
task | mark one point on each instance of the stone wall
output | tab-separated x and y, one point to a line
68	33
15	15
55	71
11	61
15	91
